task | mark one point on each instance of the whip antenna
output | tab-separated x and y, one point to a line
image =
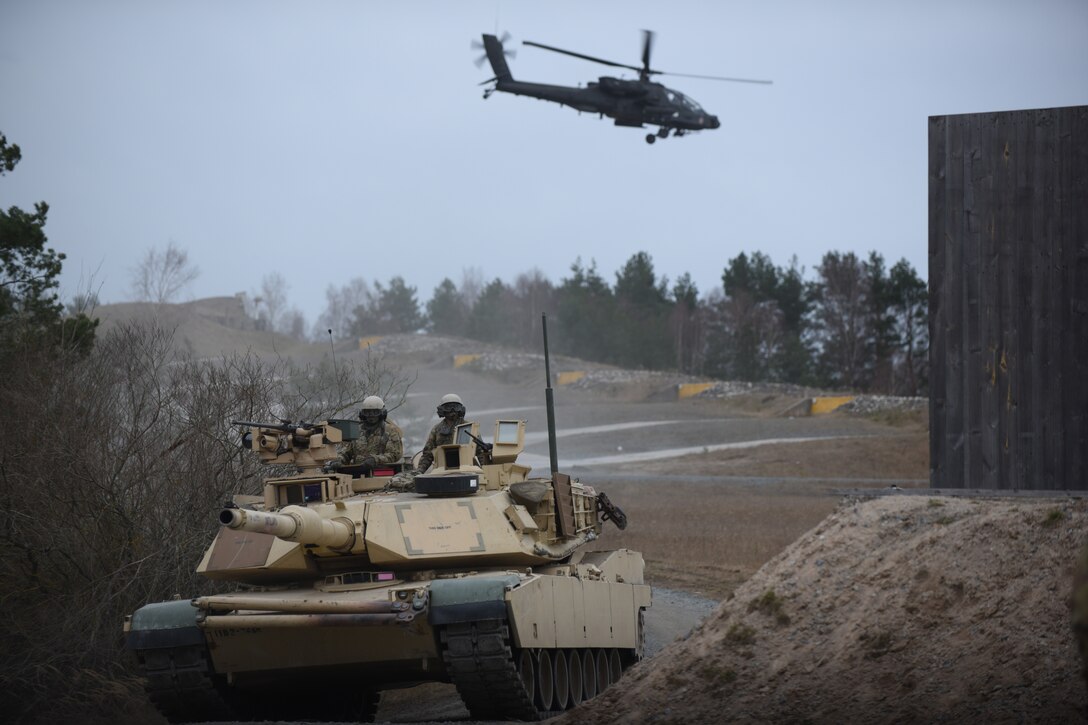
335	372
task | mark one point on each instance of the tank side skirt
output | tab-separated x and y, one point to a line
543	613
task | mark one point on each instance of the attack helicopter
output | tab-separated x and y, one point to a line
634	103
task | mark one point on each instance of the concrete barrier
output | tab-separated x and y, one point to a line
688	390
365	342
829	403
460	360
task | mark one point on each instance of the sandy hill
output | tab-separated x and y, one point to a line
204	328
898	609
219	326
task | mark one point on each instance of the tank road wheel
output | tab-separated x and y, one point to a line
604	678
589	674
574	673
650	138
615	665
641	634
562	681
527	672
545	680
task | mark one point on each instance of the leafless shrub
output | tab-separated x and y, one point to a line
114	466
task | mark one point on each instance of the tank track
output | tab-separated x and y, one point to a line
181	684
178	681
480	661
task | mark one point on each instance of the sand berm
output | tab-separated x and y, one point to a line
894	609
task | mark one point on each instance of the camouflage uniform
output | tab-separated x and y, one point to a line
384	443
440	435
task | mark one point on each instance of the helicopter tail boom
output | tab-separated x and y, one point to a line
493	48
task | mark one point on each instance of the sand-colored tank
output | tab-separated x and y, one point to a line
476	574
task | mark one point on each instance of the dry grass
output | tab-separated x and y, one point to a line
708	539
708	536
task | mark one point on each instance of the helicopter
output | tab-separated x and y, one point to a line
633	103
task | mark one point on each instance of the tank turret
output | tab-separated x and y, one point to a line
475	573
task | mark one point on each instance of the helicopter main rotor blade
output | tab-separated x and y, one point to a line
647	43
712	78
602	61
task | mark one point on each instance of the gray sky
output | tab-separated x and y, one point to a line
331	140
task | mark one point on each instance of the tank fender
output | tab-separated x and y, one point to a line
164	624
470	599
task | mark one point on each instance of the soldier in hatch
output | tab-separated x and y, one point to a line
452	412
381	441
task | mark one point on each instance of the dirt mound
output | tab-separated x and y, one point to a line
902	608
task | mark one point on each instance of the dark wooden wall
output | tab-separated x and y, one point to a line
1008	299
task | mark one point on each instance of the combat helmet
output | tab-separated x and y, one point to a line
451	402
373	411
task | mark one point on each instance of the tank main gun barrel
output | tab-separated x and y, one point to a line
293	523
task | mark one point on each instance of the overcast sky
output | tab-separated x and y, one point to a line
331	140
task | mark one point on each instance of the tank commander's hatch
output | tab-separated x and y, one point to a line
509	440
465	432
461	453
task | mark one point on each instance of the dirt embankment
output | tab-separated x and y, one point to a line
898	609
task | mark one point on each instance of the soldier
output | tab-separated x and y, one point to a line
452	412
381	442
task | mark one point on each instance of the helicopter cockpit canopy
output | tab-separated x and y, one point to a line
688	103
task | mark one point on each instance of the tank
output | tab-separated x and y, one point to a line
474	573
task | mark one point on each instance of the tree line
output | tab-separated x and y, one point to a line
854	324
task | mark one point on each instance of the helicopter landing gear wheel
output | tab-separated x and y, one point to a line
650	138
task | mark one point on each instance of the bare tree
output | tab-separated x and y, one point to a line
340	306
472	285
293	324
535	295
162	275
270	303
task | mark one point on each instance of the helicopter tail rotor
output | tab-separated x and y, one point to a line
482	58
